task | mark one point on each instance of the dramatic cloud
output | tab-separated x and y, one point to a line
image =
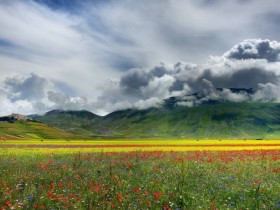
247	72
255	49
100	55
35	94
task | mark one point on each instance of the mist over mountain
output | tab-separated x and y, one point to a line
192	116
200	115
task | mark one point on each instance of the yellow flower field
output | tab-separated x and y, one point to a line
127	145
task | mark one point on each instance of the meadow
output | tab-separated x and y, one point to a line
140	174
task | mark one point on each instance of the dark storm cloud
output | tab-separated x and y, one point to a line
26	88
249	64
138	77
159	71
135	79
243	78
255	49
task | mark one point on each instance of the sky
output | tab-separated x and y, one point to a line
105	55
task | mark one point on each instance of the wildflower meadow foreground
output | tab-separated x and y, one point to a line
75	176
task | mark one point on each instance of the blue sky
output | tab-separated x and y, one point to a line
79	52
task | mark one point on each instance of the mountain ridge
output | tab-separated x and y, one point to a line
209	119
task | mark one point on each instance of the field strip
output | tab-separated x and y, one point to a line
135	145
42	151
144	142
37	147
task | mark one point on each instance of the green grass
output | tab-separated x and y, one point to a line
31	130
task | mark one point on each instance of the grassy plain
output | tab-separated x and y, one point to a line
140	174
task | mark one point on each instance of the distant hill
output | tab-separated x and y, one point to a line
18	126
77	122
217	120
212	119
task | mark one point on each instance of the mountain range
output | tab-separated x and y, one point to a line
210	119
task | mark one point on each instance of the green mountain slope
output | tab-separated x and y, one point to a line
14	129
208	120
217	120
77	122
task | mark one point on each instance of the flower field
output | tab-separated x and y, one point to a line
135	174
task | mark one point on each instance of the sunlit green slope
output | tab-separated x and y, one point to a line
209	120
31	130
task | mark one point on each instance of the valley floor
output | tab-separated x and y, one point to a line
128	145
140	174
